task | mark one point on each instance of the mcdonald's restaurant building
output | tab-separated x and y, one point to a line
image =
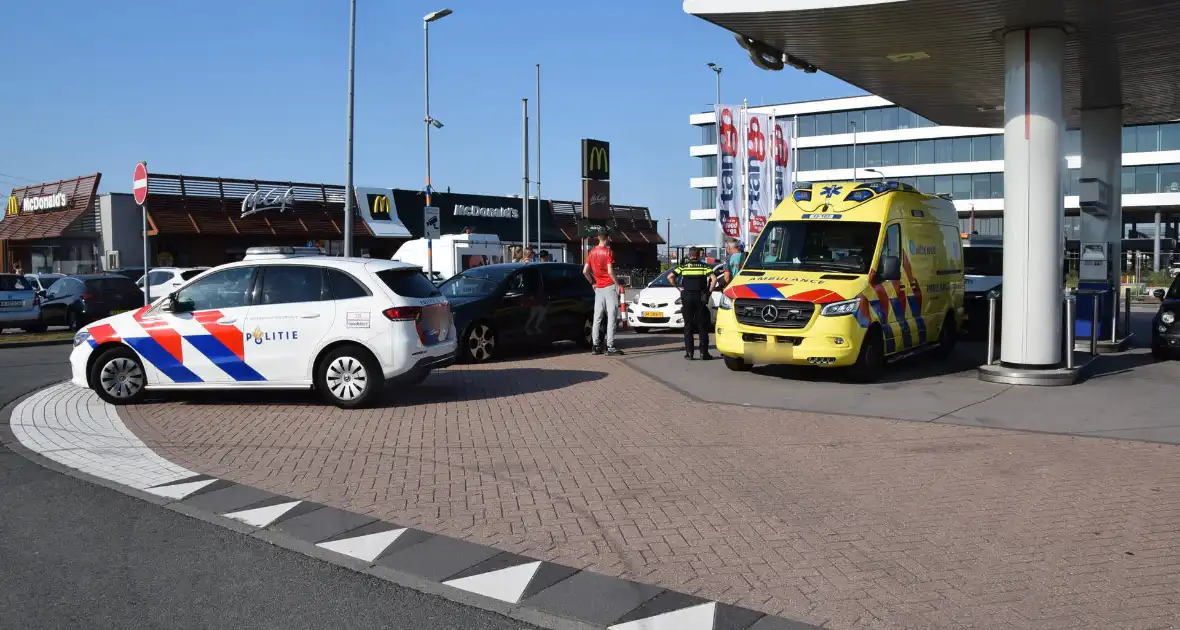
199	221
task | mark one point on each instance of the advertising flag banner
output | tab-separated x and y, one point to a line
728	169
783	169
758	172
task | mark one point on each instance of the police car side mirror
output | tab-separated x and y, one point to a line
890	268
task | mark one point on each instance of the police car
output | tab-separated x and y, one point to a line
283	317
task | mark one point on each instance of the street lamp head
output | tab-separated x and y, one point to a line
436	123
714	67
437	15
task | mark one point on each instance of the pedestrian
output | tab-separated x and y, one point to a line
734	260
600	271
696	283
530	255
18	268
546	256
517	253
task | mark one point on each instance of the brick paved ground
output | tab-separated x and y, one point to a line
846	521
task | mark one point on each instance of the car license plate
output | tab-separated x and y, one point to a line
11	303
652	314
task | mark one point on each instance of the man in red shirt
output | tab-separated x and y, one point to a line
600	271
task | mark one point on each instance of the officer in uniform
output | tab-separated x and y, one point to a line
696	283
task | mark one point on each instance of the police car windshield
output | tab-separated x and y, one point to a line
475	282
983	261
660	281
816	245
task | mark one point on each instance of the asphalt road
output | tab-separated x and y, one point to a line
78	555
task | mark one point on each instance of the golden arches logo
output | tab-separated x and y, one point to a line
13	208
599	160
381	209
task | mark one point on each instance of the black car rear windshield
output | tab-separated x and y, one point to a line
983	261
408	283
14	283
116	284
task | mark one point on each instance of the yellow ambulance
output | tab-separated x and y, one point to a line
847	274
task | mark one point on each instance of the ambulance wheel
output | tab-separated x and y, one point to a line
737	364
117	376
479	343
870	363
947	337
349	377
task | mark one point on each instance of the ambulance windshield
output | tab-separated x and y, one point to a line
816	245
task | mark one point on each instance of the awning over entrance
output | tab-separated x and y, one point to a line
943	58
633	224
48	210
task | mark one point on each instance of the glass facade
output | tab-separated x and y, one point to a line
874	119
909	153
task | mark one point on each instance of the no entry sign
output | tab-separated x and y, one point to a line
139	184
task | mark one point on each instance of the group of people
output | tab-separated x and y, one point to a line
528	255
692	276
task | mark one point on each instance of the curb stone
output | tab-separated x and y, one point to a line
534	591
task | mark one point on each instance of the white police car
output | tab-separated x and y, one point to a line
283	317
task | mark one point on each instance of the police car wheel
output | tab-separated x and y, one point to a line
870	363
117	376
348	377
479	344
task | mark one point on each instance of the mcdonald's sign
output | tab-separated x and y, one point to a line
13	207
595	159
379	208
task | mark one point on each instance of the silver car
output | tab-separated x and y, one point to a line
42	281
20	306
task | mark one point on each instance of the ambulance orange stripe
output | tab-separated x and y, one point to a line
227	334
817	296
882	295
162	333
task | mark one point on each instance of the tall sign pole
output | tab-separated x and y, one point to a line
349	191
524	215
429	211
139	186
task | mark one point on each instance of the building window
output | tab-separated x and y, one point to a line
961	186
907	153
961	149
1128	183
1129	140
1147	138
840	122
997	185
709	134
1170	137
981	149
944	151
823	124
873	120
806	159
823	158
981	186
889	154
925	184
708	166
708	198
1073	142
926	153
906	119
998	147
841	157
806	126
872	155
889	118
1146	179
1170	178
856	119
943	185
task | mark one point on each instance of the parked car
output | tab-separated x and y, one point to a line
164	280
519	305
75	301
135	273
20	306
283	317
42	281
1165	331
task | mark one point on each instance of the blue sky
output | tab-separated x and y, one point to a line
257	89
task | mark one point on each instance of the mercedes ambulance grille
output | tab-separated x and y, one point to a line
774	313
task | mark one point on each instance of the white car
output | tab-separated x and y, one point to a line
658	306
281	318
164	280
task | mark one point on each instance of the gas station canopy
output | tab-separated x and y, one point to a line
944	60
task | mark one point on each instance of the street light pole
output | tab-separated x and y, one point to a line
538	182
430	122
720	234
348	188
853	123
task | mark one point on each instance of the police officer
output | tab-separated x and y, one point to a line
696	283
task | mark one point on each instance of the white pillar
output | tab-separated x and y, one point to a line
1102	157
1034	207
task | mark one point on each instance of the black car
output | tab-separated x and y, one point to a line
75	301
1165	330
519	305
135	273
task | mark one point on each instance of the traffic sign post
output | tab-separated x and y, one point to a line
139	186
